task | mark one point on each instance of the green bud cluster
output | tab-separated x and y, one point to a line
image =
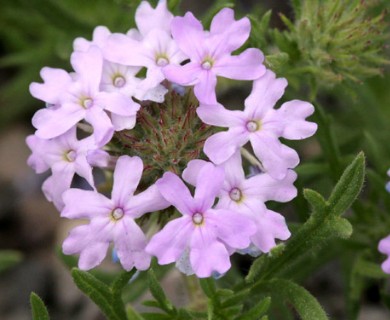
166	137
334	40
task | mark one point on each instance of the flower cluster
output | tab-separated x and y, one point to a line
144	105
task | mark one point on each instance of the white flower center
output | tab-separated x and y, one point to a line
206	65
235	194
119	81
252	126
71	155
197	218
117	213
87	103
162	61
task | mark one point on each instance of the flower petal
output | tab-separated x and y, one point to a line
127	175
51	123
270	226
246	66
93	204
130	242
169	243
54	186
176	193
291	116
188	33
275	157
232	228
103	129
234	172
208	254
123	122
235	32
208	186
266	188
190	174
122	49
266	91
93	255
222	145
117	103
89	66
186	75
149	200
217	115
55	83
148	18
204	90
38	147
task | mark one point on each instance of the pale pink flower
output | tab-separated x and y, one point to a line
65	156
210	53
82	99
261	125
205	232
112	220
384	247
248	197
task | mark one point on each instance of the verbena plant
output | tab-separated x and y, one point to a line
190	181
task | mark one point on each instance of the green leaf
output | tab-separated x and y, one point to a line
158	293
257	311
39	311
261	263
348	187
173	5
322	226
132	314
155	316
277	60
99	293
151	303
316	200
208	287
300	299
119	283
236	299
9	258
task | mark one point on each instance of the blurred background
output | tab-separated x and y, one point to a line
39	33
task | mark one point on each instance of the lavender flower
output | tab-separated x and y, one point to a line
112	220
203	230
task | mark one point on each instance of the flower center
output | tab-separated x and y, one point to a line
70	156
207	64
119	81
86	103
197	218
162	61
117	214
252	126
235	194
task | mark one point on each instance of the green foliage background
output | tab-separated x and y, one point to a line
334	54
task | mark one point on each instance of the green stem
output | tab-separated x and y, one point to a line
198	300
